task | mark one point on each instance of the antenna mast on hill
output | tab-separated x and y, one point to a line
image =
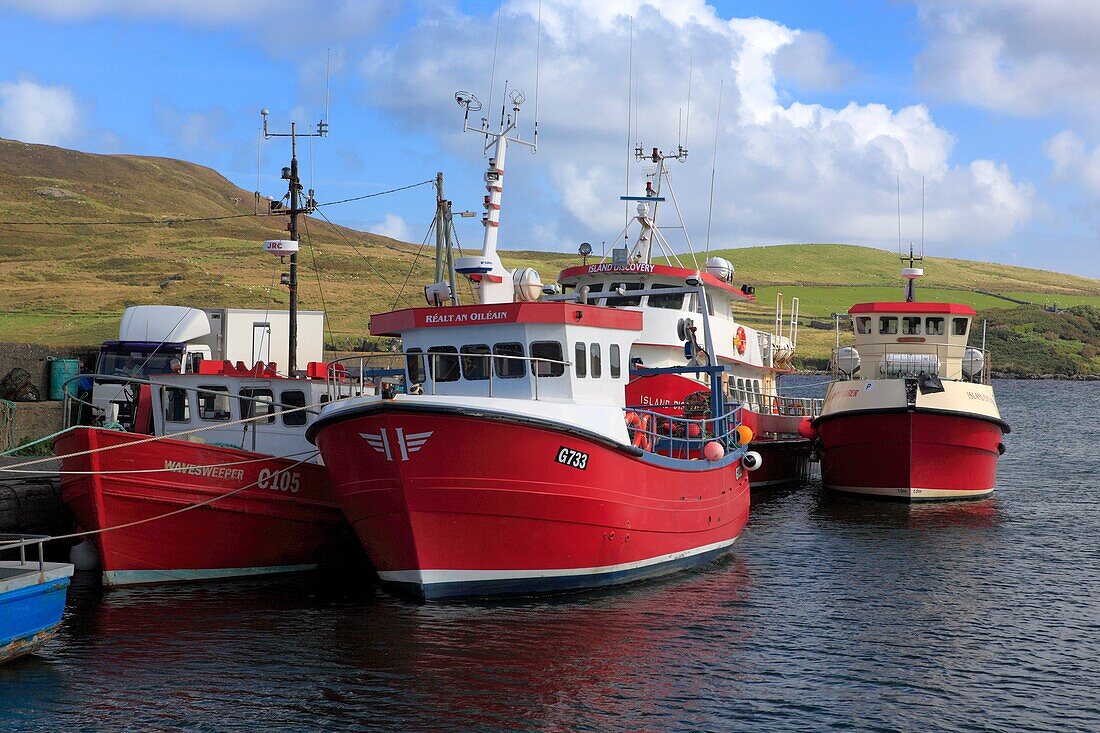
297	207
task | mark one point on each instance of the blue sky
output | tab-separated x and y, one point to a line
993	102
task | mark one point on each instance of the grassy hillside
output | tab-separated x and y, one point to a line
67	285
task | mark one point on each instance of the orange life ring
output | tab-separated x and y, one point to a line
638	425
739	340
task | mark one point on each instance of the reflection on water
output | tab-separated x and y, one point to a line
833	611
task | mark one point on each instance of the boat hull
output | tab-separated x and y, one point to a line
911	455
31	605
785	461
287	520
451	504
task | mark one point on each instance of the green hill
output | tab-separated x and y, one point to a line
66	285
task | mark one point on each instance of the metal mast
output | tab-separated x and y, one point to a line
297	206
444	252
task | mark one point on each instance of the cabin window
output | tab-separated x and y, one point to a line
510	368
959	325
291	399
934	327
697	308
324	398
597	368
414	365
443	363
674	301
863	324
475	361
910	325
176	408
616	302
888	325
613	357
258	402
551	351
213	406
580	360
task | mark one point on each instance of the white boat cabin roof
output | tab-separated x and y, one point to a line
551	351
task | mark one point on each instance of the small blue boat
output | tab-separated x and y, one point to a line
32	597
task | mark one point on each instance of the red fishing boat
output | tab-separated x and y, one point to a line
264	501
912	413
197	467
512	461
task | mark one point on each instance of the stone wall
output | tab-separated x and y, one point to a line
34	420
36	360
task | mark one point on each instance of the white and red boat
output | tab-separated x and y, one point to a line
911	413
512	464
754	360
200	468
281	517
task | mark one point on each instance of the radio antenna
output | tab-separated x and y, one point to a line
629	122
493	73
538	58
922	217
687	120
899	214
328	78
714	163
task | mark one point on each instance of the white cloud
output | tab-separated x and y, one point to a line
1074	161
35	113
194	132
1019	57
787	171
808	60
393	226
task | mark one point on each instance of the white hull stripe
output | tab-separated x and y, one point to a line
133	577
431	577
911	493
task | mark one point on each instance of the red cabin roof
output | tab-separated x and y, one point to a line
396	322
644	268
954	309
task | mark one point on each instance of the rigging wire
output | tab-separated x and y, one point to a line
412	266
189	220
317	273
352	245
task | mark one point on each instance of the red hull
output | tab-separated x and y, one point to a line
497	513
909	455
279	525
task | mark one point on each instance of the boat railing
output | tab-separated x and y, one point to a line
74	405
778	404
361	374
22	541
676	436
894	360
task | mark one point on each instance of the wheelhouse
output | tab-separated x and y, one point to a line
909	339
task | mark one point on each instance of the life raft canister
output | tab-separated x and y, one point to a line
739	340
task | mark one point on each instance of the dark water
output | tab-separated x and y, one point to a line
831	613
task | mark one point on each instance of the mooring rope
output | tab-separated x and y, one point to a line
123	471
189	507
